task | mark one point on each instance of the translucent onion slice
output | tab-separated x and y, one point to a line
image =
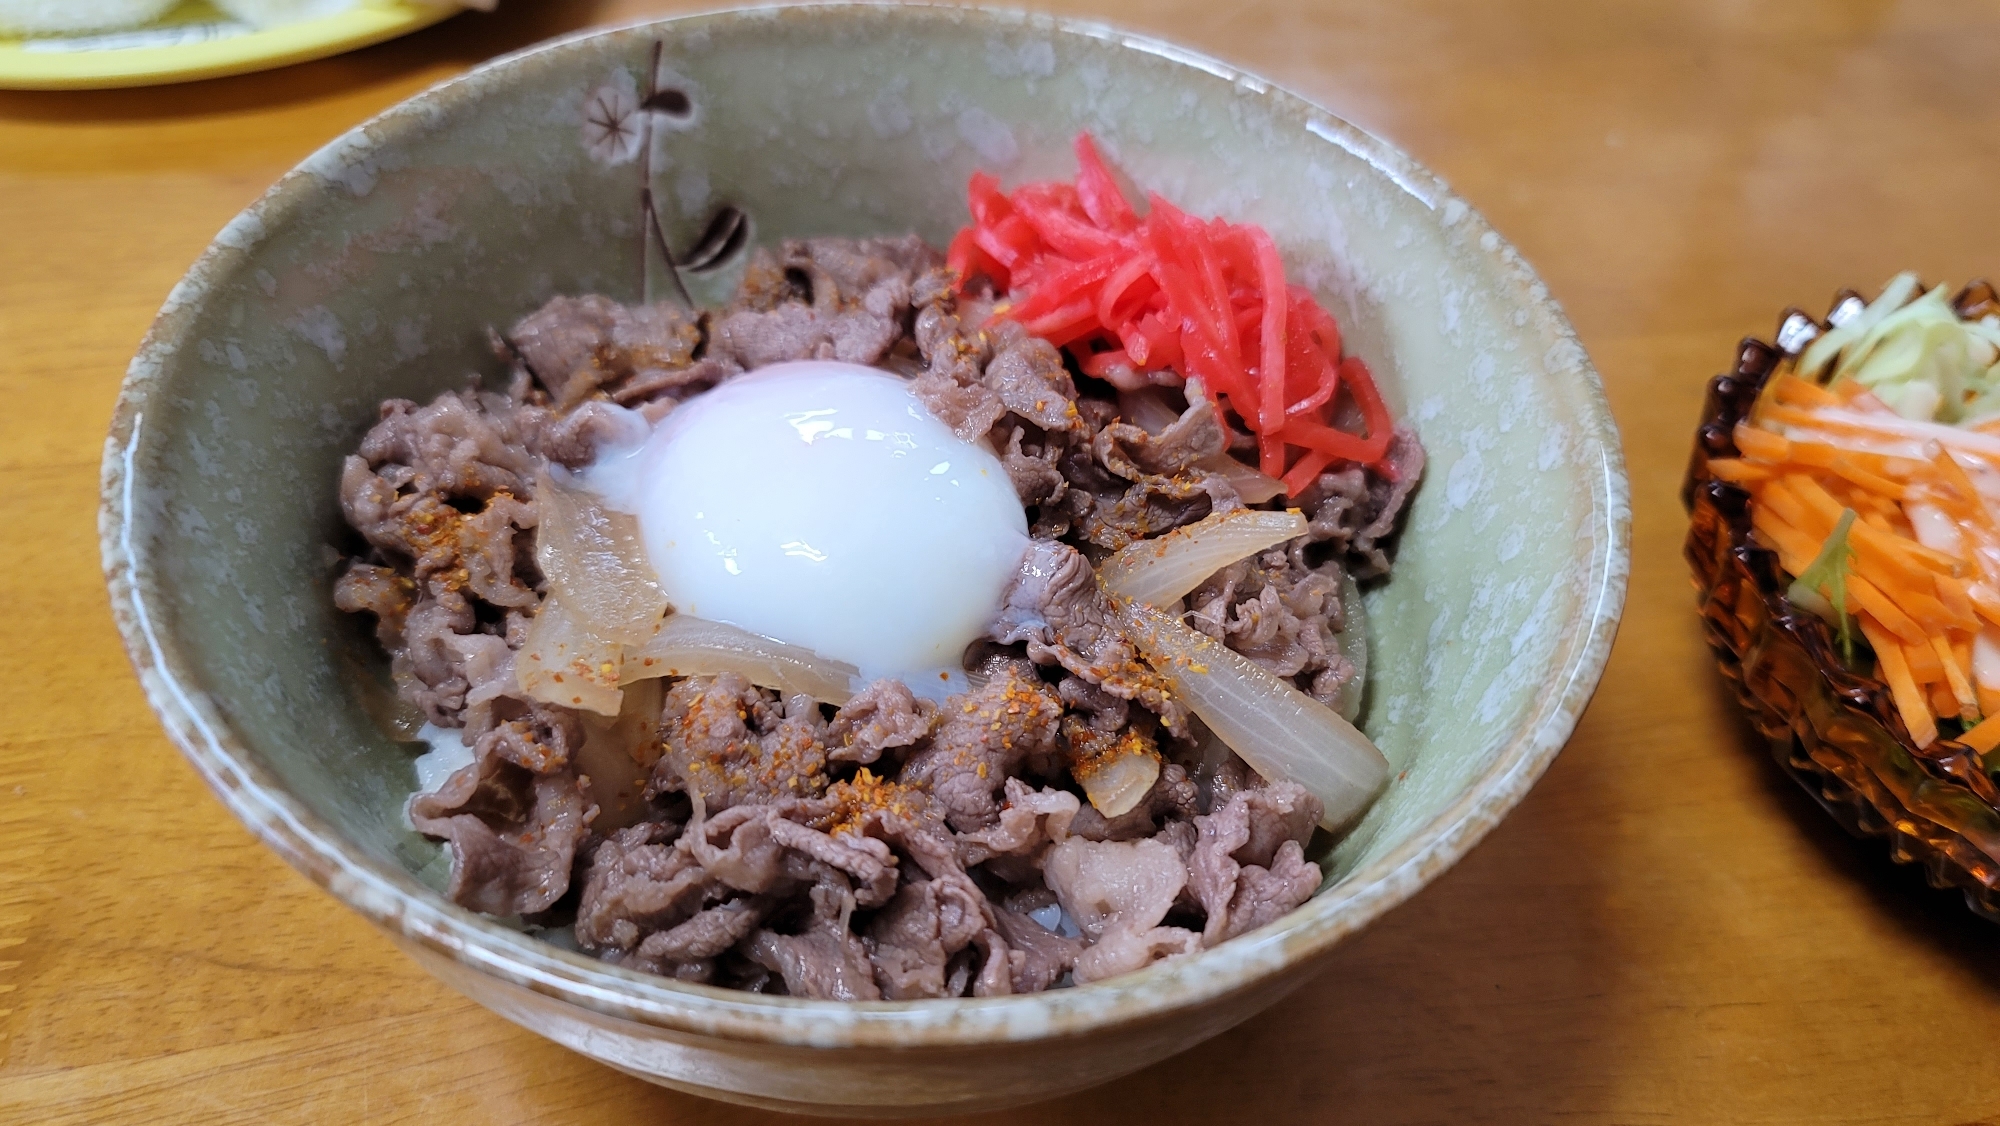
1353	641
593	557
618	754
1254	486
562	662
1116	770
1119	785
689	646
1160	571
1147	409
1280	731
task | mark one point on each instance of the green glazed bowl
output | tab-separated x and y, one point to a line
375	269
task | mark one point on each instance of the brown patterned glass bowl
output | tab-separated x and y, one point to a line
1837	734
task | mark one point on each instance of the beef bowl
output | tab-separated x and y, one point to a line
664	166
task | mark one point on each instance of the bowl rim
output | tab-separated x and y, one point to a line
392	899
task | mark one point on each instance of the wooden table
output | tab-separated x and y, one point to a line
1667	930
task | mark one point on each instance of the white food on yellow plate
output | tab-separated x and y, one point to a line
69	17
822	504
273	13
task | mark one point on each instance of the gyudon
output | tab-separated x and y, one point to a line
918	625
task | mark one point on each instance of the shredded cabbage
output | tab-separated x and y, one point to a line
1916	356
1822	588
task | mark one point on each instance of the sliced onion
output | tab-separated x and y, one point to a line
1119	785
1353	641
689	646
1116	771
562	662
1280	731
1147	409
618	754
1253	486
593	557
1160	571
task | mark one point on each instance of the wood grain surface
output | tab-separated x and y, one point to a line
1667	930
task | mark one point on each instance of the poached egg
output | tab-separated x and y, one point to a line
822	504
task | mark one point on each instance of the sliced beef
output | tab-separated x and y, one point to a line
442	496
576	346
1126	484
1277	812
981	739
1357	511
1028	377
843	273
912	941
1028	823
953	383
1032	466
1281	613
800	332
637	883
1130	452
1038	957
1118	892
970	409
676	902
468	445
826	963
1057	608
513	833
884	716
688	950
369	588
833	299
1248	865
729	742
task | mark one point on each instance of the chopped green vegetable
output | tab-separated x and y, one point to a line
1916	356
1822	589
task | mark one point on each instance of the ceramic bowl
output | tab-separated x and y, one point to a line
375	269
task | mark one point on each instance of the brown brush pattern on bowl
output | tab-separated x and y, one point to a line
1836	733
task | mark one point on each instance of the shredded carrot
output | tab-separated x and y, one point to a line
1762	444
1984	735
1825	454
1955	679
1925	668
1793	391
1957	600
1888	613
1838	489
1943	703
1736	471
1910	701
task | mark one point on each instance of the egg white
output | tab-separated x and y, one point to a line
822	504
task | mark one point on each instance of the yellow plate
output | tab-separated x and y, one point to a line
196	41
